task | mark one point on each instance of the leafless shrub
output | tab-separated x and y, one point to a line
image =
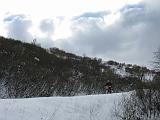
140	105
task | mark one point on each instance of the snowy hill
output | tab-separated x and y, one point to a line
128	70
91	107
27	70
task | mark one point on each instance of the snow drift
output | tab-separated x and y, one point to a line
91	107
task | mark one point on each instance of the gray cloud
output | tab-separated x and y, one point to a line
17	27
132	39
152	5
46	42
144	25
13	17
47	26
132	7
92	15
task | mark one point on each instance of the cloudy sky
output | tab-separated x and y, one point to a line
121	30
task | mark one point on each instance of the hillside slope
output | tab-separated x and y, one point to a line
27	70
95	107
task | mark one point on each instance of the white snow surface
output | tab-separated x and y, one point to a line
122	72
90	107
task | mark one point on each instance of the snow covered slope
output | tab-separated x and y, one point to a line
91	107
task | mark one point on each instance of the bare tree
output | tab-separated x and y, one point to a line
156	60
140	105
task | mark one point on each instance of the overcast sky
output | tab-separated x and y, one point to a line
121	30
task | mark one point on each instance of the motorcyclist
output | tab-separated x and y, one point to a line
108	87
